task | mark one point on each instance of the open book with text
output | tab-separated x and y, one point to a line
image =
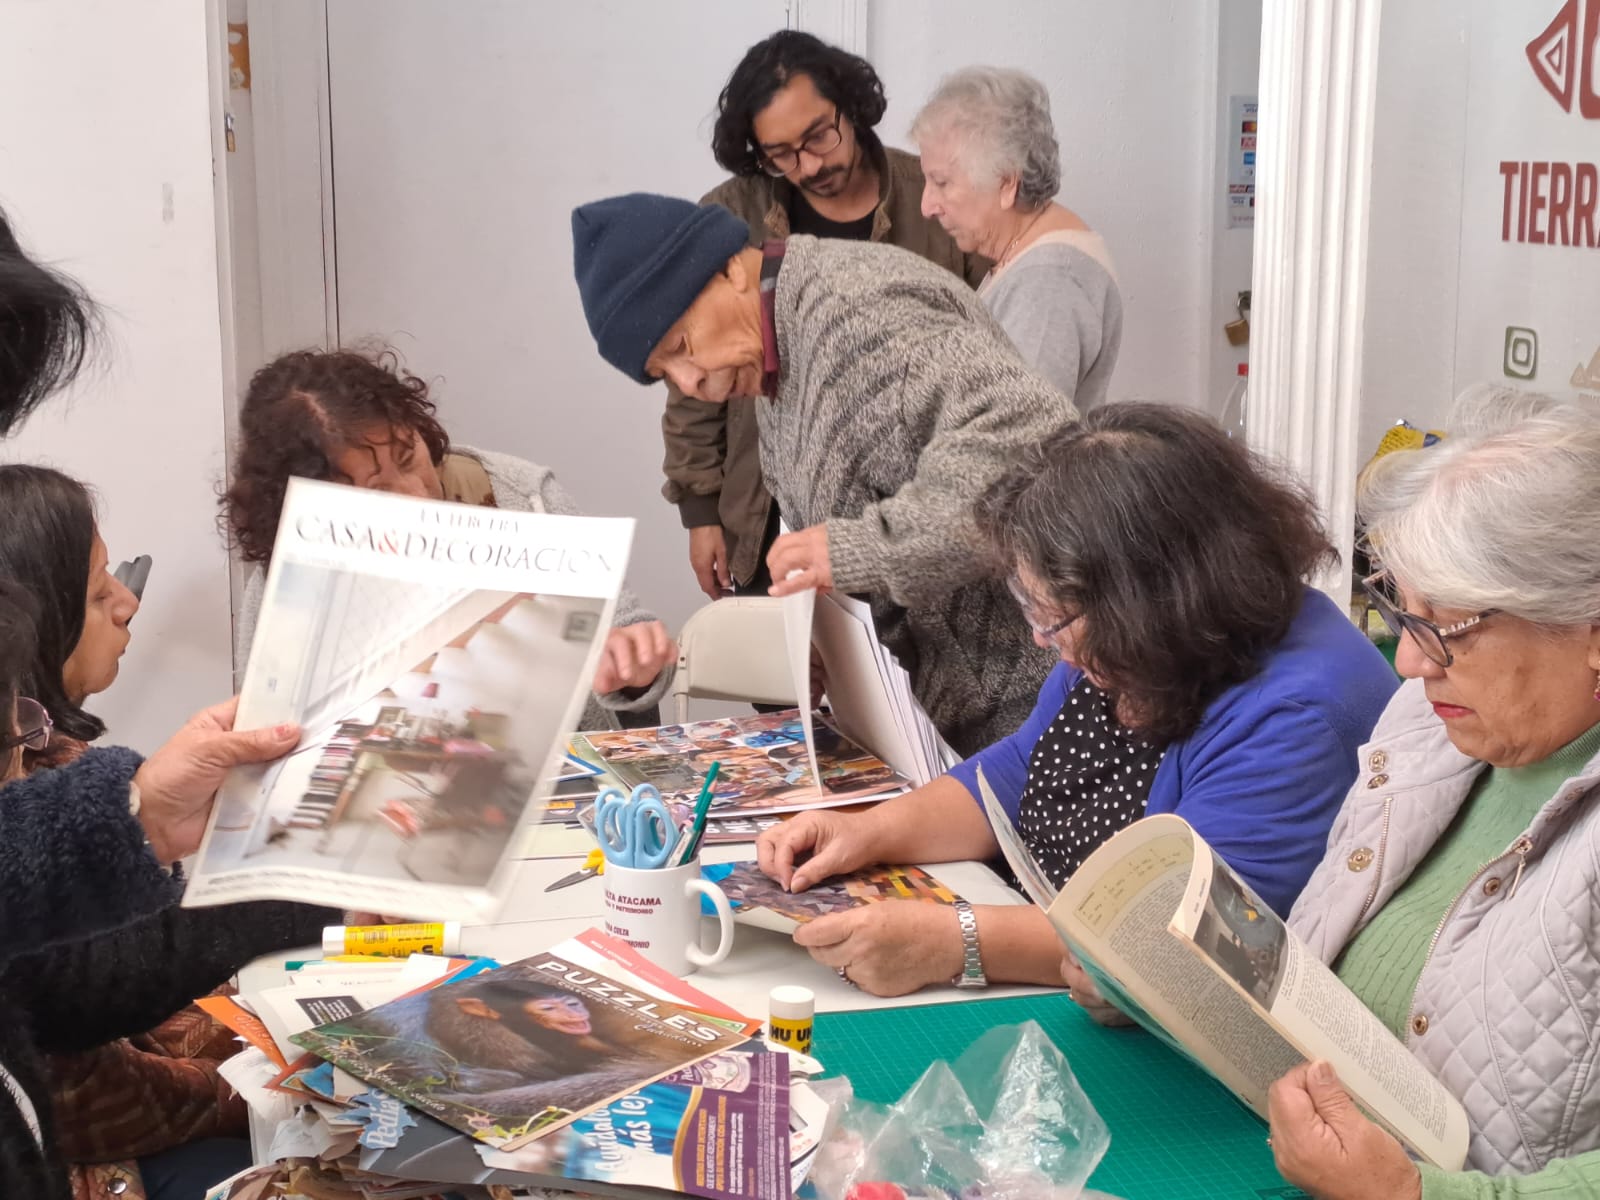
1179	942
435	656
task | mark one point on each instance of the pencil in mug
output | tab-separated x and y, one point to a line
696	830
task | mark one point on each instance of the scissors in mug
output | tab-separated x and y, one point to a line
635	831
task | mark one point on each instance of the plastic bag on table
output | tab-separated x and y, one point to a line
1006	1121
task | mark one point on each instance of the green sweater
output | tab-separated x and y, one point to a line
1383	962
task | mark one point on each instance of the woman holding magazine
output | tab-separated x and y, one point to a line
146	1114
352	418
83	846
1199	675
1459	897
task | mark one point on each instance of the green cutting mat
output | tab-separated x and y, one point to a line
1176	1134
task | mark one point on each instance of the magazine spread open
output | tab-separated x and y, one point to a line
435	656
1179	942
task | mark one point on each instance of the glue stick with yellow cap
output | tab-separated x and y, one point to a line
393	941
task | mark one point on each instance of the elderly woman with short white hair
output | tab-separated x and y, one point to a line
1459	897
991	169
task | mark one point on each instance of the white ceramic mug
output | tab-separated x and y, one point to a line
658	914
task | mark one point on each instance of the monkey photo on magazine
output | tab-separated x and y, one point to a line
514	1053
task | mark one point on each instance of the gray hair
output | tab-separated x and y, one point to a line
1003	119
1503	513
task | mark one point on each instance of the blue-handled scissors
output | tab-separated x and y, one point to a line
635	831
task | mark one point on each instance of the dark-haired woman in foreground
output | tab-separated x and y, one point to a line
1199	675
134	1115
50	544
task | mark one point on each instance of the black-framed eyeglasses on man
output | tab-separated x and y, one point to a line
780	161
1433	640
33	727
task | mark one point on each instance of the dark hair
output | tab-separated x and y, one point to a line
299	410
17	637
46	325
846	80
46	541
1185	553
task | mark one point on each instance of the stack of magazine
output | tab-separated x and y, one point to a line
584	1069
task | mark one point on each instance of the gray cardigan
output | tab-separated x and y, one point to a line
899	401
524	487
1062	309
1511	990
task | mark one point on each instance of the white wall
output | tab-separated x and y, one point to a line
105	169
1414	251
1457	96
453	205
1132	93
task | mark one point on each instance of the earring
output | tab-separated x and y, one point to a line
1597	685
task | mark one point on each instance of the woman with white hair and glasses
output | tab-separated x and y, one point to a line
991	168
1460	894
1166	567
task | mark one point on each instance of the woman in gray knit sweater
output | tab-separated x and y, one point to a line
347	417
992	169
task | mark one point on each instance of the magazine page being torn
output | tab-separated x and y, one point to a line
435	656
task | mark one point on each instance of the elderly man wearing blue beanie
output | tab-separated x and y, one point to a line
887	400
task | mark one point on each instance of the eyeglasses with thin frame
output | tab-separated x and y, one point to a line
779	163
33	727
1432	640
1046	632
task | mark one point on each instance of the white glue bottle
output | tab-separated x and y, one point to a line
791	1012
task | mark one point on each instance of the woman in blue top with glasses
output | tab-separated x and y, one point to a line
1199	675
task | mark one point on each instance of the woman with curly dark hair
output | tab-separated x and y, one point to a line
360	419
1166	566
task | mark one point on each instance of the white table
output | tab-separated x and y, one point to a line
533	920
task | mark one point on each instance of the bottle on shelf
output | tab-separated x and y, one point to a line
1233	408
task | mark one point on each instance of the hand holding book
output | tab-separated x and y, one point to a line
1322	1140
1083	992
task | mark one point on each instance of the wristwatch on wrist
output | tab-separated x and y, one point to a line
972	975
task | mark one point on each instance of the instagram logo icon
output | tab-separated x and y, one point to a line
1521	357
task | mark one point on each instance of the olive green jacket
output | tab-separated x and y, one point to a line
713	458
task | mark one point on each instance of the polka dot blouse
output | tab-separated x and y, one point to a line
1088	778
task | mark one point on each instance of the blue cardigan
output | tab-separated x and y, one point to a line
1266	771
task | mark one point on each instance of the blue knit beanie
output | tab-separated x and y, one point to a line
640	261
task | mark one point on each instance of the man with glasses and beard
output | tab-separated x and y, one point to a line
795	129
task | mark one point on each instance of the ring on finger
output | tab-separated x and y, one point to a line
842	974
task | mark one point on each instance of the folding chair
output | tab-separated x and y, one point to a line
733	649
